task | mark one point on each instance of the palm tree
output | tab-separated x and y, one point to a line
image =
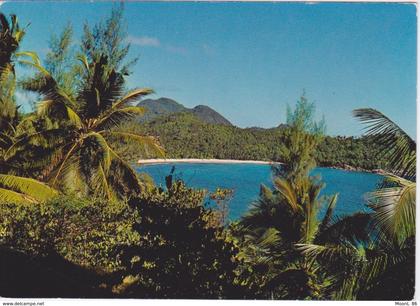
381	261
10	37
394	203
281	221
13	187
289	215
394	207
283	230
83	159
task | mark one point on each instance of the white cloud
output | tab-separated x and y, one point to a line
1	2
144	41
149	41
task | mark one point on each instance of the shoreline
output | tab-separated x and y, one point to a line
356	169
159	161
155	161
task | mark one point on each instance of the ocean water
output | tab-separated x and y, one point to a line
245	181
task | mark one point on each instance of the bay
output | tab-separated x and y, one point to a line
245	181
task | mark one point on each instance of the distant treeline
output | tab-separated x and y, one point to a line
185	136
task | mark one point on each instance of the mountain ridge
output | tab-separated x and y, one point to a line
166	106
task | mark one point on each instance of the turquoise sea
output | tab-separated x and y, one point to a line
245	180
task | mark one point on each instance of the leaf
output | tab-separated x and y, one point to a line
132	96
328	214
397	146
148	143
31	55
27	187
287	191
116	117
352	228
395	208
328	252
58	110
10	196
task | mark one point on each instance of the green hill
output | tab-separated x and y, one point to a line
184	135
166	106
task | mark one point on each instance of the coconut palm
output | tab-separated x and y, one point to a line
11	34
394	207
290	214
83	159
381	263
394	204
13	188
281	223
373	266
10	37
299	248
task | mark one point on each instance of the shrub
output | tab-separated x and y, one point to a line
182	251
86	232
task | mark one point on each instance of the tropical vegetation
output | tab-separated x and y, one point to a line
184	135
76	220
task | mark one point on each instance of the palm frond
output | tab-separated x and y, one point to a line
32	55
36	66
351	228
64	163
395	208
118	116
312	204
27	187
56	109
328	214
10	196
124	179
269	239
52	136
149	144
327	252
286	190
130	97
397	146
100	182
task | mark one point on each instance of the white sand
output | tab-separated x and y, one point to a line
203	161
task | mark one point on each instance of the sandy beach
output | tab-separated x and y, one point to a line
203	161
157	161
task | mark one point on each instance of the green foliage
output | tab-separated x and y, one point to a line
11	35
108	38
22	189
183	135
395	208
302	137
81	157
394	143
169	243
349	153
182	253
289	215
88	232
60	63
302	118
382	242
12	186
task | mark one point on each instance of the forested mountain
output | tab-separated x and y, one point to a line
184	135
166	106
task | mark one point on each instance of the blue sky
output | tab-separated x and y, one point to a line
249	60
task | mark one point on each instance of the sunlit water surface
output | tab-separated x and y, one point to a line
245	180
